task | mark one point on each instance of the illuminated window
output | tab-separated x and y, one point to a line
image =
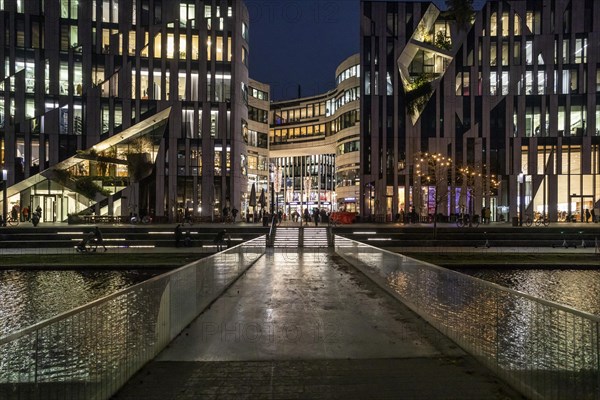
157	45
170	45
580	51
533	21
181	85
229	50
214	123
245	33
505	18
541	81
517	29
494	24
195	51
219	48
131	44
244	56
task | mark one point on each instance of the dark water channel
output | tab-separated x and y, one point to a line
27	296
576	288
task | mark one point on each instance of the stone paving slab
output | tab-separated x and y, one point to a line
391	378
306	325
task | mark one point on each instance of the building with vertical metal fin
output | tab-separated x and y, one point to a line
118	108
511	97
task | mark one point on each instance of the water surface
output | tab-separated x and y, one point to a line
30	296
576	288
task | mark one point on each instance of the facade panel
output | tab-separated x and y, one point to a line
511	100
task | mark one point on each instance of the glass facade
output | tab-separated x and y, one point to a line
326	129
109	71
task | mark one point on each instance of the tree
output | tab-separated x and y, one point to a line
434	169
469	177
462	12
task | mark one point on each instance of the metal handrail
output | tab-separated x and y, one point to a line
92	350
550	303
63	315
543	349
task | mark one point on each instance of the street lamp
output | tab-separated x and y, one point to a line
277	187
521	180
4	197
272	185
307	188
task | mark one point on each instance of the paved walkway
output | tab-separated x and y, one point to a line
306	325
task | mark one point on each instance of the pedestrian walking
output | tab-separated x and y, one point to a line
316	216
234	213
221	239
187	217
587	215
25	213
178	235
98	238
306	216
225	213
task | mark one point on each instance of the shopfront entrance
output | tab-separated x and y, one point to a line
48	203
578	204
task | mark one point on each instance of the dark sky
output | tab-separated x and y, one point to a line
301	42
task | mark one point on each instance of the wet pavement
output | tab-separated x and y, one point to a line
306	325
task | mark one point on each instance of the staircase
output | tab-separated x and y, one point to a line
315	237
286	237
301	237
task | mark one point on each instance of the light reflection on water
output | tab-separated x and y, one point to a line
30	296
576	288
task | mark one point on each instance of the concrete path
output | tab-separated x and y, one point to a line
306	325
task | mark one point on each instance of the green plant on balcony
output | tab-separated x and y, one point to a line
442	41
418	93
86	186
138	158
62	176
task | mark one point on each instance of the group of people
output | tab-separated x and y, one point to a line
23	214
234	213
590	214
221	239
485	215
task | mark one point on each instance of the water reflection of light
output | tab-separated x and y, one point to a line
27	297
574	288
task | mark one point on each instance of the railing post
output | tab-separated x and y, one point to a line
597	360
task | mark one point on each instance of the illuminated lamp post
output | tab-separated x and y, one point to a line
4	197
521	180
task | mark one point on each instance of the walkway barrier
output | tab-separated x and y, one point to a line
543	349
90	352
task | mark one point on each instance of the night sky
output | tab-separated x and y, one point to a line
301	42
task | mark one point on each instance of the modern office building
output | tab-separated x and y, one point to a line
511	97
124	107
258	149
314	147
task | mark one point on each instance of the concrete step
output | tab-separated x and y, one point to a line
315	237
287	237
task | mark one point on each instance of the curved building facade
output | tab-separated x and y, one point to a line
314	147
124	107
